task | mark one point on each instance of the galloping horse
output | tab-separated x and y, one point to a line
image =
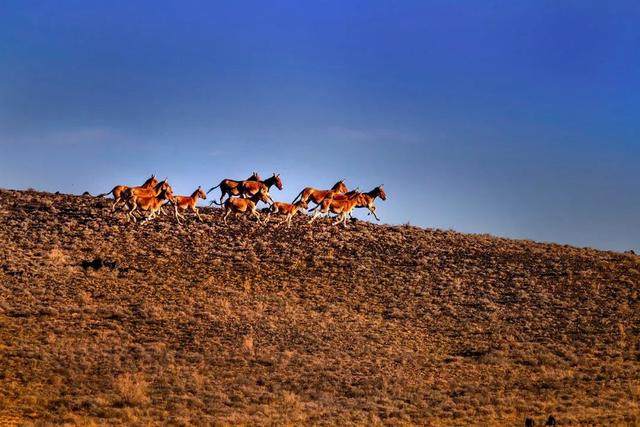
250	188
183	203
342	208
151	191
365	200
242	205
317	196
287	209
119	190
151	204
229	187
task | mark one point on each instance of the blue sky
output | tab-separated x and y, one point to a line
518	118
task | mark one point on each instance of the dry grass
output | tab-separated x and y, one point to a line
104	322
132	390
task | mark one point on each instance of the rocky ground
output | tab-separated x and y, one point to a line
102	321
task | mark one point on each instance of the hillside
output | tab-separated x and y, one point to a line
108	322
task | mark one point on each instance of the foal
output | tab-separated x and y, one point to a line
183	203
242	205
151	204
287	209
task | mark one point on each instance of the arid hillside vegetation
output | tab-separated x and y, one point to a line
104	321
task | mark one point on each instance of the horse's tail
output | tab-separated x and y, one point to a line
213	188
107	193
299	195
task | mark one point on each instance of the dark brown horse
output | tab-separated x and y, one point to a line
249	188
229	187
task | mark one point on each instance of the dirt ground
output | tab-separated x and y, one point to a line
107	322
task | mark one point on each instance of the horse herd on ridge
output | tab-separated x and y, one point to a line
242	197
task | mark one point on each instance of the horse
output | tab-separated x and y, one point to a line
365	200
242	205
183	203
287	209
151	204
150	191
342	208
119	190
317	196
249	188
229	187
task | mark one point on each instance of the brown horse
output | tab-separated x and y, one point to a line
151	204
365	200
342	208
242	205
317	196
183	203
249	188
119	190
229	187
287	209
146	192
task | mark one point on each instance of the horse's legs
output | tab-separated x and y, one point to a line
373	211
131	211
177	215
315	215
147	219
255	213
151	216
198	214
342	218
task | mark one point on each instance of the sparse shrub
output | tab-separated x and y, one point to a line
132	389
247	344
56	256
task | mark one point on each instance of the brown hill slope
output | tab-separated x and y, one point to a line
213	324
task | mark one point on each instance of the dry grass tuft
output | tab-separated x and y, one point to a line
247	344
57	257
132	390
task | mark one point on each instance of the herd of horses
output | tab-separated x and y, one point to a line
242	197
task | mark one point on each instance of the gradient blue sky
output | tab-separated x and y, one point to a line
516	118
